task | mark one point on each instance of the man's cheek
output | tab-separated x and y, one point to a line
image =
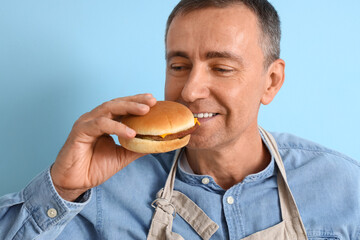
172	90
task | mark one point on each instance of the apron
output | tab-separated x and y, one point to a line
170	202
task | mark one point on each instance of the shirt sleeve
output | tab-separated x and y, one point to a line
37	211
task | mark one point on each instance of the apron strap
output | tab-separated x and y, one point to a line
170	202
170	181
289	210
192	214
161	226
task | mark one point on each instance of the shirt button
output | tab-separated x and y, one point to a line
205	180
52	213
230	200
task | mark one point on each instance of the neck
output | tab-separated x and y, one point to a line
230	165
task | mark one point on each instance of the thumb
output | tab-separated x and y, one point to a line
125	157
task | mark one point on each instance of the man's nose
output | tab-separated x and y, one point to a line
197	85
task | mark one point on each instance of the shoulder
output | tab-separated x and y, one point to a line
324	182
297	151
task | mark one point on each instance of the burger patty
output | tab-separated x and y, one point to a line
169	136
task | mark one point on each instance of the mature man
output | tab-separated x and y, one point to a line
228	183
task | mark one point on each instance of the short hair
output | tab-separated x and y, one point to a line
268	21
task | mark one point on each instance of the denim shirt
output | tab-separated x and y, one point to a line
325	185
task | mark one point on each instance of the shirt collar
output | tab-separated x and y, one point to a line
184	164
186	174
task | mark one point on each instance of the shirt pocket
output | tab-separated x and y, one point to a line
323	238
322	235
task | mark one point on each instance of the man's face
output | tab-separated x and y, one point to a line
215	67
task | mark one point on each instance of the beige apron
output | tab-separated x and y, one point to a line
170	202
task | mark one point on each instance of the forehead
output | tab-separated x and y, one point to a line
214	28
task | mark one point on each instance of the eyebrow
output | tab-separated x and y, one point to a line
223	54
209	55
172	54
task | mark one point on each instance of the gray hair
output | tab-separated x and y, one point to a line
268	20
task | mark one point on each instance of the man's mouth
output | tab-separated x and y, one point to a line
204	115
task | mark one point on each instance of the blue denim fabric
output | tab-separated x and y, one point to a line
325	185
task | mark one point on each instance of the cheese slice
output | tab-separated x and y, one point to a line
164	135
196	121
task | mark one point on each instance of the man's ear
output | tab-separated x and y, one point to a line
275	77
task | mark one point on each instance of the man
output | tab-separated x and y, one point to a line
223	63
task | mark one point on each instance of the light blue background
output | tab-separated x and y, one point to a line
59	59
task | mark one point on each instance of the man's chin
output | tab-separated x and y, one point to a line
200	143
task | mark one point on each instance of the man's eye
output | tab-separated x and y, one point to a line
177	67
223	70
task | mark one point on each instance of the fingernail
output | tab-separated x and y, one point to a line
130	132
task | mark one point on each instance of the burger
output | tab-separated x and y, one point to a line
166	127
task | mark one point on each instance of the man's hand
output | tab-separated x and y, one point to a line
90	156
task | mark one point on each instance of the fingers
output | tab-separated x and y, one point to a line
137	105
102	125
102	119
141	98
